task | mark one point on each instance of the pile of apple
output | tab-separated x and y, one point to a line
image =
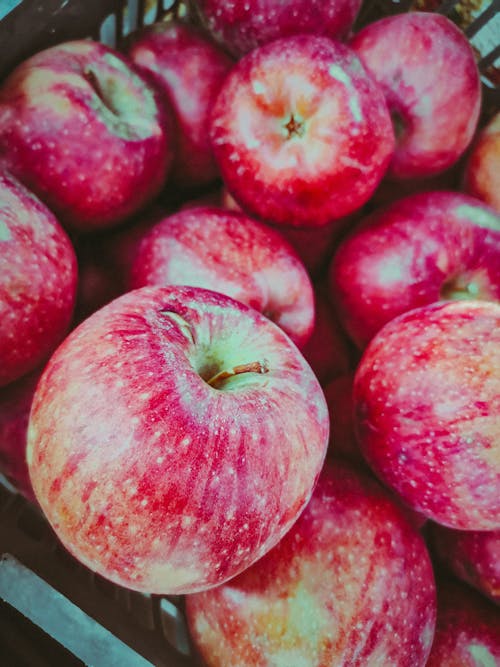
250	327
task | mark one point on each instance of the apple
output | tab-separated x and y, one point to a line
428	72
85	132
482	168
301	133
350	584
314	245
427	414
467	628
174	437
472	555
327	351
241	26
229	252
38	278
15	404
189	68
417	250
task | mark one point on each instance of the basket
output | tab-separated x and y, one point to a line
53	610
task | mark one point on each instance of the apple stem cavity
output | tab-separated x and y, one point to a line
100	91
466	286
251	367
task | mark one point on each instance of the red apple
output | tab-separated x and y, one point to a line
467	629
350	584
472	555
189	68
482	168
427	411
427	70
314	245
231	253
38	277
420	249
15	404
301	133
83	130
174	438
327	351
241	26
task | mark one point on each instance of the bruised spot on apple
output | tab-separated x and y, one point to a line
180	414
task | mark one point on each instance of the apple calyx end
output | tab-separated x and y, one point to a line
251	367
294	127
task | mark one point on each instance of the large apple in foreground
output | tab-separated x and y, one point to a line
350	584
467	628
419	249
241	26
189	68
84	131
174	438
301	133
427	411
38	278
428	72
228	252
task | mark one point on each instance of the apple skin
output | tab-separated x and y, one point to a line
86	133
314	245
301	133
473	556
189	68
15	405
417	250
231	253
481	176
427	415
467	628
38	279
428	72
130	435
241	26
350	584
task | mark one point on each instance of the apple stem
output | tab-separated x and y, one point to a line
251	367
